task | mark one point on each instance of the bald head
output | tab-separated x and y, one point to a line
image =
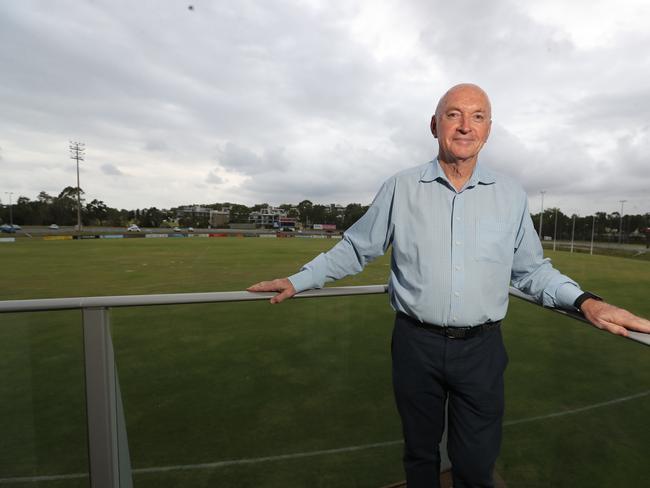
462	89
462	124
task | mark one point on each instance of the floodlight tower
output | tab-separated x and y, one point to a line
620	226
77	153
541	216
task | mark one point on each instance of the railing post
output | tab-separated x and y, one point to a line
108	453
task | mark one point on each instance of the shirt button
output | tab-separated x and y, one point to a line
458	243
457	268
457	219
454	319
456	293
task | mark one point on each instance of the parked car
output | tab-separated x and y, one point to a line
54	227
133	228
7	228
17	227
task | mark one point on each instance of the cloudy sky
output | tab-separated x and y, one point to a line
278	101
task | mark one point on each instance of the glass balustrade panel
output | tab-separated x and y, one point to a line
42	408
260	395
577	403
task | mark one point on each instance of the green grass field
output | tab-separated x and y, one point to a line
218	382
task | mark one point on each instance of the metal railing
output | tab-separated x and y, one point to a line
109	461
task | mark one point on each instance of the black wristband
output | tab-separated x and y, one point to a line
585	296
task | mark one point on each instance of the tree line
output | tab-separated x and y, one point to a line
62	210
47	209
605	227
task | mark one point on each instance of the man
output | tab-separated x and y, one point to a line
460	234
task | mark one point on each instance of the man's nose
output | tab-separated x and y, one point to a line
464	126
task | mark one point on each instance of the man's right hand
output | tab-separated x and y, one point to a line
281	285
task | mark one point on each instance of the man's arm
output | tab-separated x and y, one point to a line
367	239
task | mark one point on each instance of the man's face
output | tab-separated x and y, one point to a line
462	124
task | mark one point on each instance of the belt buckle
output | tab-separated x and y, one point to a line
447	331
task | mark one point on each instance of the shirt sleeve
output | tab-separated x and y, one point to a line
535	275
364	241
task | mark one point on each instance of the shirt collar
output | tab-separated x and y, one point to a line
433	172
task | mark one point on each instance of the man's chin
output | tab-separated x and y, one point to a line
464	155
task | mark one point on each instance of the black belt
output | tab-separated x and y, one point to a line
452	332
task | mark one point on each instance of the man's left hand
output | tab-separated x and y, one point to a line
613	319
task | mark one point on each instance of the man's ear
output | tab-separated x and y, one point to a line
433	126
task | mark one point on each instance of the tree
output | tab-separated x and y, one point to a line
151	217
239	213
258	207
45	198
353	212
305	209
318	214
64	207
97	211
22	211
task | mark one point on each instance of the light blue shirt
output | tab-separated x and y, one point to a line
454	252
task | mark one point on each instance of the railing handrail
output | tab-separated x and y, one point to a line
44	304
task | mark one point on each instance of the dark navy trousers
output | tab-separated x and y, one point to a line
428	369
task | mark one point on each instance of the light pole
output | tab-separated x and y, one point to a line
11	213
555	230
541	217
620	227
593	230
573	230
77	152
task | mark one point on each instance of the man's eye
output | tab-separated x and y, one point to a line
479	117
453	115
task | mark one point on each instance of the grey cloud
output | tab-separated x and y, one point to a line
342	174
244	161
111	170
611	110
291	98
260	66
294	188
214	178
486	37
564	168
156	145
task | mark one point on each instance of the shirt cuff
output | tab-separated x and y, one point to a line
566	295
302	280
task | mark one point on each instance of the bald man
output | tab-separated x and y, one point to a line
460	233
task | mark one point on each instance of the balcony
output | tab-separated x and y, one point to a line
301	398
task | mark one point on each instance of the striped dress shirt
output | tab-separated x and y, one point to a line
454	253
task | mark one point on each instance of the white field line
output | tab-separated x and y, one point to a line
577	410
54	477
281	457
297	455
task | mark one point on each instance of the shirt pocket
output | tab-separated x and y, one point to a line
495	240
